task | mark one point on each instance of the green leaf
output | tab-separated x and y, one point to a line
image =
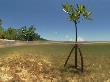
76	13
87	15
67	7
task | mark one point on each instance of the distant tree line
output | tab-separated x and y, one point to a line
23	33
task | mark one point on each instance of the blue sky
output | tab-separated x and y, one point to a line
52	23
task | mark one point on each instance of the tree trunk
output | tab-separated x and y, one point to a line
76	45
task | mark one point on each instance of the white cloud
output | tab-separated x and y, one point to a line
66	36
55	32
80	39
71	39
